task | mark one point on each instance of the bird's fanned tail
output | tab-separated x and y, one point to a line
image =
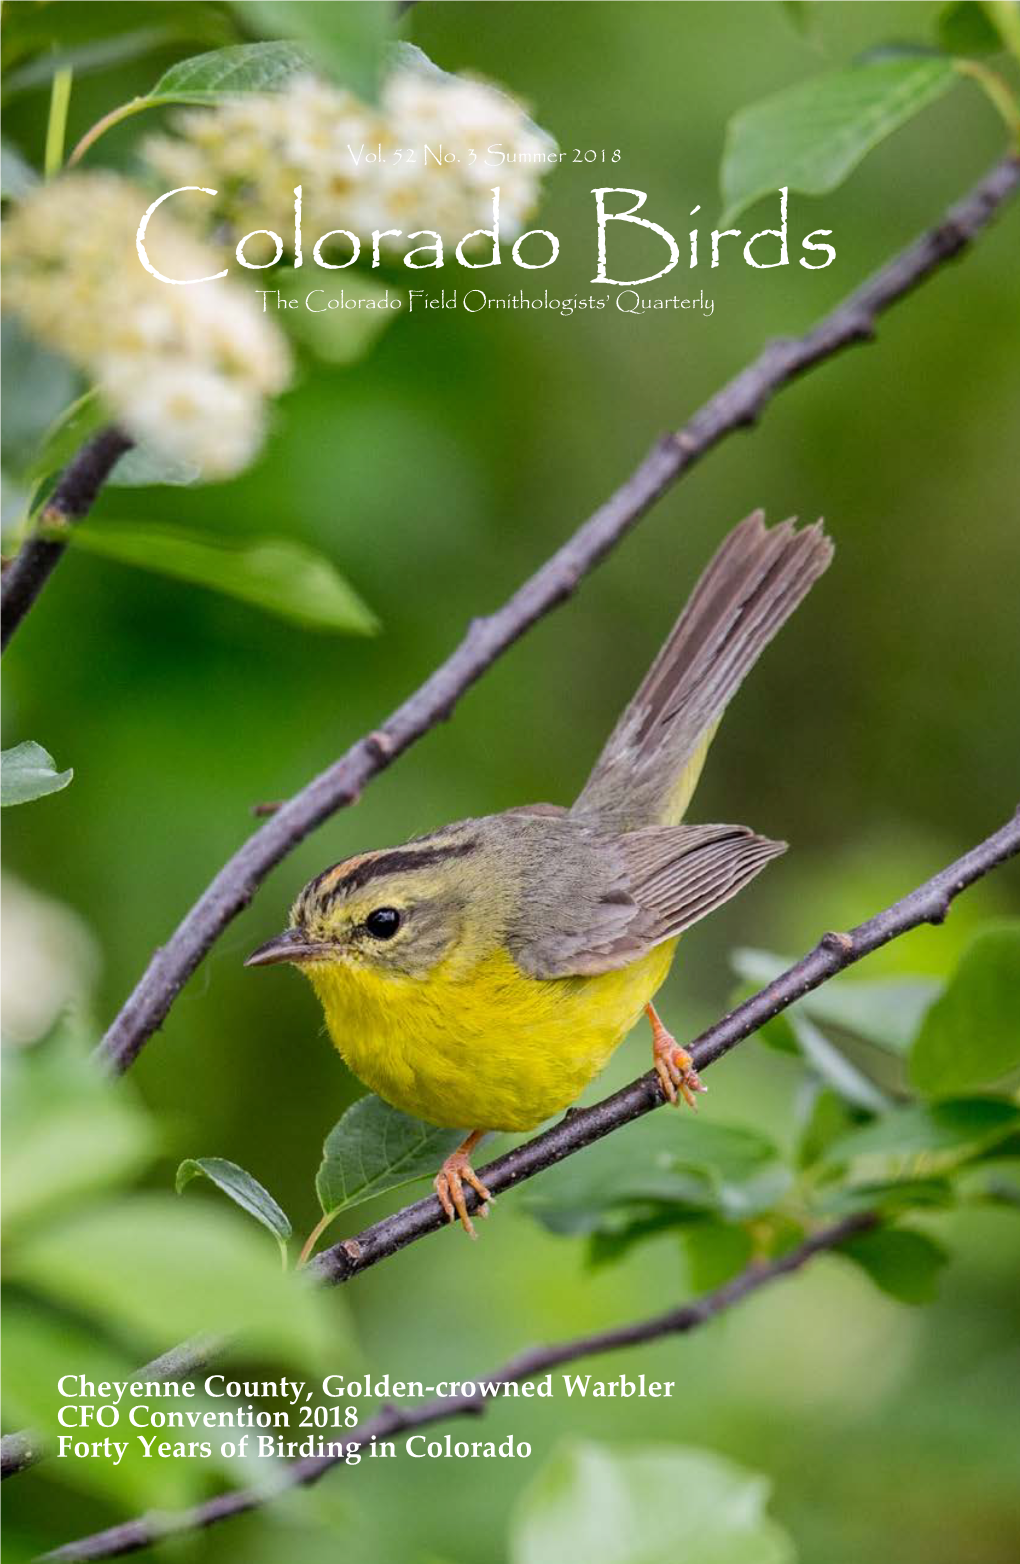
651	762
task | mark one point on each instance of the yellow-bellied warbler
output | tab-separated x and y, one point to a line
483	974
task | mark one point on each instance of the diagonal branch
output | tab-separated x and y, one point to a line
736	406
73	498
929	903
132	1536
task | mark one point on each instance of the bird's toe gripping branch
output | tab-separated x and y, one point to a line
673	1064
449	1183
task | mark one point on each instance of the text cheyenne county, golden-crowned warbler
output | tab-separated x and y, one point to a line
483	974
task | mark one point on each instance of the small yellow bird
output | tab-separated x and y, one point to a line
483	974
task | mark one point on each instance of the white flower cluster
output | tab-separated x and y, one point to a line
186	370
255	149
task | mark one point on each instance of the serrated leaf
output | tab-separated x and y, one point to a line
374	1148
27	772
971	1034
810	137
347	42
240	68
606	1506
883	1011
283	577
954	1130
903	1263
240	1187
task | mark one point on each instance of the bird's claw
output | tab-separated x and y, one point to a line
674	1066
449	1183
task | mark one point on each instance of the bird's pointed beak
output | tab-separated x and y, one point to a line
292	945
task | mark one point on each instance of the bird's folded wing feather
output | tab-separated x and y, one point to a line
654	883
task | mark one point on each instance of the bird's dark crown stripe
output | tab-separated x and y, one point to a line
401	860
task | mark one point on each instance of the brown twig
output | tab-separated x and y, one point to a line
73	498
736	406
131	1536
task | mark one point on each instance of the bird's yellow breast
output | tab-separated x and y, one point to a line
487	1047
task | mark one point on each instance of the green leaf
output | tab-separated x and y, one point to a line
348	42
692	1165
714	1252
143	466
73	425
903	1263
68	1130
222	73
964	28
283	577
39	1347
885	1012
658	1504
240	1187
27	771
955	1131
971	1034
810	137
161	1272
1005	18
891	1197
207	79
835	1068
38	385
373	1148
826	1118
88	38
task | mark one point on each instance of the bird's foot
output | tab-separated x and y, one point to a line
449	1183
673	1065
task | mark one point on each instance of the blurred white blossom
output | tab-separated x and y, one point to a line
49	962
183	369
253	150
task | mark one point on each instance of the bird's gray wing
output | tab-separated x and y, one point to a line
633	892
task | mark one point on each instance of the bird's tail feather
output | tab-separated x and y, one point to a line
651	763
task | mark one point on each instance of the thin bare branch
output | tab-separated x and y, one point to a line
132	1536
73	498
736	406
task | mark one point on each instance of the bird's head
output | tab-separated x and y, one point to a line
398	910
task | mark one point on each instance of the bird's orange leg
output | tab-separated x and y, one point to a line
449	1183
673	1064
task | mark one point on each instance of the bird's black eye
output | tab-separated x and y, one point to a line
383	923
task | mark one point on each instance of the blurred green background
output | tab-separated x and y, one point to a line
878	737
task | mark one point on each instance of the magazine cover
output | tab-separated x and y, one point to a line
511	967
